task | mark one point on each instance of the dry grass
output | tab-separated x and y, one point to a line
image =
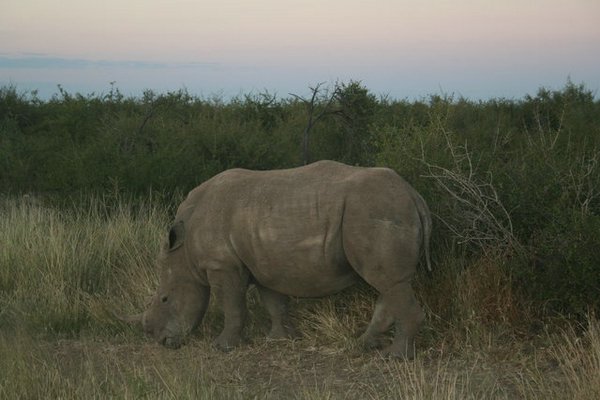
567	368
62	273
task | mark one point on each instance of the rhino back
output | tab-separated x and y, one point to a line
285	226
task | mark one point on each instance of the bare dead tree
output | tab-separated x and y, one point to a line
318	100
153	104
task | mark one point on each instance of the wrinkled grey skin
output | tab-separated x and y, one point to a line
307	232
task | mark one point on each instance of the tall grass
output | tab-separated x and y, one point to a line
60	271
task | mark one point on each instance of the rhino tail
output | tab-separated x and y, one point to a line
425	217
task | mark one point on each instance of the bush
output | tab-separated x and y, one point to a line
519	178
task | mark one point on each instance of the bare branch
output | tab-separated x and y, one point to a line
313	116
479	217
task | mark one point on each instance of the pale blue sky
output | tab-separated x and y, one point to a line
404	48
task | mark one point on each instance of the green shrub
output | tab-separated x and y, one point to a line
562	273
519	177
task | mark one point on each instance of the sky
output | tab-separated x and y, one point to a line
405	49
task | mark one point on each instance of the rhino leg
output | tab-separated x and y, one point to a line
396	306
380	323
385	255
230	288
277	307
408	317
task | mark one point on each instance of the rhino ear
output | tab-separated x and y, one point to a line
176	236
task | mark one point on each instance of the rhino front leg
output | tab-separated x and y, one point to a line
277	307
230	287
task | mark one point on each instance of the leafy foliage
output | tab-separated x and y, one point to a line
520	178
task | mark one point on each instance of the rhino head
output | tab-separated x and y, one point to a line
180	301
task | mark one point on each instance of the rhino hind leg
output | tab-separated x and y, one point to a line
381	321
277	307
396	306
408	317
386	257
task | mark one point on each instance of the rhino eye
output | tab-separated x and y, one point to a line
164	299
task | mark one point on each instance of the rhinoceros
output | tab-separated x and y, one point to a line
306	232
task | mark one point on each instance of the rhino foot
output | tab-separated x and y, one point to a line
399	353
283	332
171	342
227	344
370	342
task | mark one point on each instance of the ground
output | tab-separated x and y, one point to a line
317	366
